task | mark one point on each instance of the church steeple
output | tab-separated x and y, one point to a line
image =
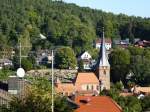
103	59
103	68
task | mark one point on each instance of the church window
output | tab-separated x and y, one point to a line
104	72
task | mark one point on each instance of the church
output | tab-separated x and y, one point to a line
89	83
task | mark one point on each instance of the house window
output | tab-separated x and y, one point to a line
97	88
92	88
87	87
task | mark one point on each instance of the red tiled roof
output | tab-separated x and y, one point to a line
65	87
107	40
142	89
86	78
96	104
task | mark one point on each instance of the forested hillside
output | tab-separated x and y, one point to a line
63	24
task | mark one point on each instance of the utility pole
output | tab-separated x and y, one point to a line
52	82
20	54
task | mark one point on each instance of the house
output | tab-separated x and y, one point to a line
142	43
121	43
108	43
87	59
43	57
89	83
5	62
143	90
14	86
64	88
96	104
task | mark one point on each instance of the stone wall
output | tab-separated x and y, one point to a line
57	73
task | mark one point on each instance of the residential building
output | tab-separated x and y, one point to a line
43	57
5	62
96	104
121	43
142	43
14	86
108	43
143	90
87	59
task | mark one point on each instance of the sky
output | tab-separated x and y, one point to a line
129	7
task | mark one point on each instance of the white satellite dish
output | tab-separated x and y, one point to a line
20	72
42	36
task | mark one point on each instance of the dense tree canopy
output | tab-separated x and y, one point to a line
140	65
63	24
134	61
120	61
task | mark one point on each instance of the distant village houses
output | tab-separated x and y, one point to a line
121	43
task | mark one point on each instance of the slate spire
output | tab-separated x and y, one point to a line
103	58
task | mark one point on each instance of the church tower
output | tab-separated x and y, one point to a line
103	67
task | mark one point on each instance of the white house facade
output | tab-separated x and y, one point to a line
86	58
108	44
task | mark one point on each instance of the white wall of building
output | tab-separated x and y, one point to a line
85	56
107	45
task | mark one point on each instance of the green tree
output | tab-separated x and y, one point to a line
38	99
80	65
132	104
140	65
146	103
65	58
26	64
120	61
5	73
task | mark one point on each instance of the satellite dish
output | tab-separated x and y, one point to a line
20	72
42	36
